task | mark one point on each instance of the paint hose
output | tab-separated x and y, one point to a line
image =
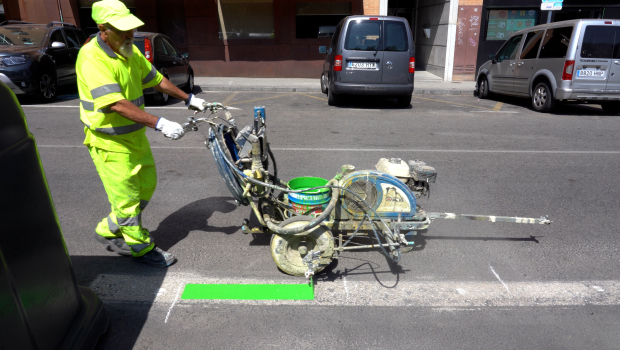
218	153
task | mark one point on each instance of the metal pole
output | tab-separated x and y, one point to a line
59	10
549	17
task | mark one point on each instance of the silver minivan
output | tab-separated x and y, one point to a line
570	60
369	55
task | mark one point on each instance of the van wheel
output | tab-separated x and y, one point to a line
403	101
611	107
323	83
483	88
332	98
542	98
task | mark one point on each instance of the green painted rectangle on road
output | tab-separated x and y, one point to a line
249	291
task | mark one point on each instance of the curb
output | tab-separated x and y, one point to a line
309	89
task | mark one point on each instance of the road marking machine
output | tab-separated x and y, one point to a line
312	220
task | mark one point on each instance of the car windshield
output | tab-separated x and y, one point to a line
22	35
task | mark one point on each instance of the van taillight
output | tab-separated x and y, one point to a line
338	63
608	22
148	50
411	64
567	73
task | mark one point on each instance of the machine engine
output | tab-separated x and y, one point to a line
415	174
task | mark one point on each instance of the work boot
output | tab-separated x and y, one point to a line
157	258
116	245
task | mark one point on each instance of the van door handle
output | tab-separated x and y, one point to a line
512	64
520	64
616	62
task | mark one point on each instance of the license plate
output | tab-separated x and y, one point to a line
591	73
363	65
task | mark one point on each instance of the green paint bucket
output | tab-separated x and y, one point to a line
309	202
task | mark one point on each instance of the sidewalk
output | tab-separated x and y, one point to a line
424	83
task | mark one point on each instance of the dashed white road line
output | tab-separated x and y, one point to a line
345	292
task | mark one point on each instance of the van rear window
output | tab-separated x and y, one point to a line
601	42
363	35
395	36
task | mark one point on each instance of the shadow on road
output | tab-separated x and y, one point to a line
369	102
561	108
193	217
126	319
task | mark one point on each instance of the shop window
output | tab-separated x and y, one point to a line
600	42
319	19
501	24
245	19
556	42
532	43
2	15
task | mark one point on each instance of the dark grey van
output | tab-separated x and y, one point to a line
571	60
369	55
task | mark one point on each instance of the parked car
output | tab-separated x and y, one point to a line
570	60
36	58
167	59
369	55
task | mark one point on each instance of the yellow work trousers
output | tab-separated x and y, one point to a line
129	180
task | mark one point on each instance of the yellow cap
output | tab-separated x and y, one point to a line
115	13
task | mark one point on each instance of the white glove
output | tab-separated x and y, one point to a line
170	129
196	103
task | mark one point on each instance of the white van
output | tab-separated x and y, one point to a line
569	60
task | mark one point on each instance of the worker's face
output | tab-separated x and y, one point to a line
120	41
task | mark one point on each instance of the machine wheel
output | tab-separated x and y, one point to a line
332	98
403	101
542	98
289	250
46	86
611	107
483	88
189	86
323	83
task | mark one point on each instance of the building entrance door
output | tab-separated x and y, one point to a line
405	9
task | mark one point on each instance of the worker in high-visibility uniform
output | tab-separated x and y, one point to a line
111	73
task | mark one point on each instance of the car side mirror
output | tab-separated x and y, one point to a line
322	49
58	45
185	55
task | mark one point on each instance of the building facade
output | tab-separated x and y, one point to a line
281	38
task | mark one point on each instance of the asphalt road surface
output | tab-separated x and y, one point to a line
466	285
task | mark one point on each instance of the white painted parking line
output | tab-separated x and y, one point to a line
434	294
380	150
